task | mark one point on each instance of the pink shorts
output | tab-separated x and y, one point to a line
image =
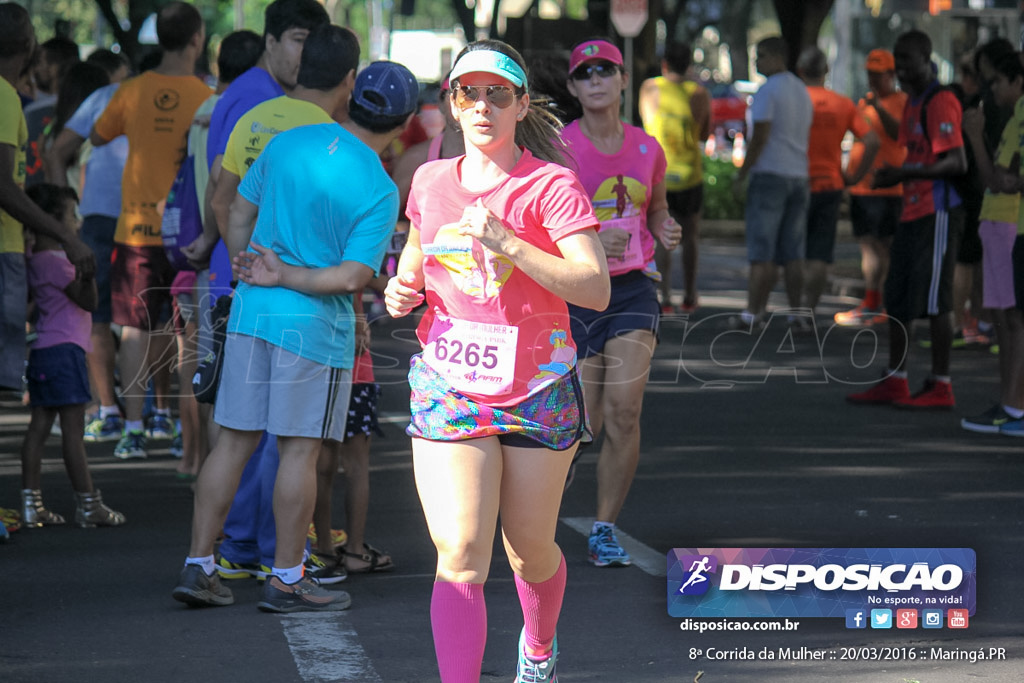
997	240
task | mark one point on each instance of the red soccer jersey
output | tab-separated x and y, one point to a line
921	196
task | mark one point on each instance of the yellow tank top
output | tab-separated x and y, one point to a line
675	128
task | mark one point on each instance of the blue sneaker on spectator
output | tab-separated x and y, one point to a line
605	550
529	670
132	445
1012	428
160	427
109	428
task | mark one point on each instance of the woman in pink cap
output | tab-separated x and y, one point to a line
499	240
623	171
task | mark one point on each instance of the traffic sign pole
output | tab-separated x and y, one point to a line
628	18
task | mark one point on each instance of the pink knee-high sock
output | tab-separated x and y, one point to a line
458	618
541	603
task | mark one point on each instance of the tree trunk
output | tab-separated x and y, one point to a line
466	18
800	21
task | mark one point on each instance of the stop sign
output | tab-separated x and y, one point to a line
629	17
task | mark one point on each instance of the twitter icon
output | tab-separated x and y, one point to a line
881	618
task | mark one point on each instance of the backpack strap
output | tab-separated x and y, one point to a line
923	117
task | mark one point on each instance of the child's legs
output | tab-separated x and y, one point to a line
32	447
188	407
326	468
72	423
355	459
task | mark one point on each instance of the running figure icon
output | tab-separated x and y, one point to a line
697	570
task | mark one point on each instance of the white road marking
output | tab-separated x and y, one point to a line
326	649
644	557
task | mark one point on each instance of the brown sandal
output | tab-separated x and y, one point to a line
376	560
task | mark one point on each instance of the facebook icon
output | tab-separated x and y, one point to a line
856	618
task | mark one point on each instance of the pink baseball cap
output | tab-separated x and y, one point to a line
594	49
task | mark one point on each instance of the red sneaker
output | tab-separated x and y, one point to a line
861	316
888	391
933	396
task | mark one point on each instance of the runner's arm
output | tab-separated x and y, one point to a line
871	146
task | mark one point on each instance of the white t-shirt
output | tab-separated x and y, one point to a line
784	101
101	195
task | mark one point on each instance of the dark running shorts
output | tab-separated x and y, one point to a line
686	202
633	306
57	376
822	216
873	216
920	280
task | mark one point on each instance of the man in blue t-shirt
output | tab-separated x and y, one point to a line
289	348
249	531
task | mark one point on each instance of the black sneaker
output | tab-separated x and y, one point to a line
197	589
305	595
326	569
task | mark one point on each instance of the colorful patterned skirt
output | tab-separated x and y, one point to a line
554	417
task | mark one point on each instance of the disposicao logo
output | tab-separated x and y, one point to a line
696	581
818	582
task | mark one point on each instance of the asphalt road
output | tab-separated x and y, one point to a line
747	442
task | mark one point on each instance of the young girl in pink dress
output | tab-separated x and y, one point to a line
58	383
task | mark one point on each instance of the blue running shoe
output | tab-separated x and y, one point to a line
529	670
160	427
132	445
108	428
1012	428
605	550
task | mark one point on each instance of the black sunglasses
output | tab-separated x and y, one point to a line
587	71
501	96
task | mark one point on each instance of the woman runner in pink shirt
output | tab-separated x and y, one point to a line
623	171
499	240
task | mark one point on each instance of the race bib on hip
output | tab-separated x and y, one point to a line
479	358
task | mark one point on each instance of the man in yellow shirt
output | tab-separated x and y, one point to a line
676	111
17	41
154	111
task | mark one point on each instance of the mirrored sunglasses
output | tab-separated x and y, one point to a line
501	96
587	71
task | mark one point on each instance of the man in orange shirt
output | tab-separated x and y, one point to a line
875	212
154	111
834	115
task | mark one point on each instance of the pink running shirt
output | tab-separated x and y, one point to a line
61	320
504	337
620	186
